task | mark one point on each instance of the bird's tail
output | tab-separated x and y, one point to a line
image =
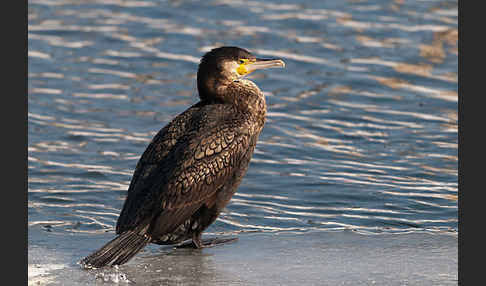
118	251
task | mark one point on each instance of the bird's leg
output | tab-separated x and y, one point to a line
196	240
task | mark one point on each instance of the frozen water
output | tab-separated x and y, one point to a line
312	258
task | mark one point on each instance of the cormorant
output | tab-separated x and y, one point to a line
193	166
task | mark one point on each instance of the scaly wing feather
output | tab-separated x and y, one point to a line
193	169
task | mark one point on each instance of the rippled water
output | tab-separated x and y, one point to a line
362	124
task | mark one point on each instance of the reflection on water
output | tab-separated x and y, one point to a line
362	125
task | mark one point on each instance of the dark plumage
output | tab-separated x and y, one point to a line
193	166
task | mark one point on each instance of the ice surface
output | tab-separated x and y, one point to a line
312	258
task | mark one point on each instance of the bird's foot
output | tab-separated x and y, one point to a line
208	242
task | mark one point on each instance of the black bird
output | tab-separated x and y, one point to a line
194	165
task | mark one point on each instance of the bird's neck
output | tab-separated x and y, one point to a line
248	97
242	93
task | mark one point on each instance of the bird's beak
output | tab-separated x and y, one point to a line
259	64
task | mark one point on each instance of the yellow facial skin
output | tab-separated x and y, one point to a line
241	69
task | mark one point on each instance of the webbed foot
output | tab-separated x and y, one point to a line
198	243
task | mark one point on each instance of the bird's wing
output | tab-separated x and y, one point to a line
194	168
161	145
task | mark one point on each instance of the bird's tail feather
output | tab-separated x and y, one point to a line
118	251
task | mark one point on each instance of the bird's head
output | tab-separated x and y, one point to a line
224	65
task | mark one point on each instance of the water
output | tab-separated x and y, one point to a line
361	133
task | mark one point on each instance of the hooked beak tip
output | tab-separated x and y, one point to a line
281	63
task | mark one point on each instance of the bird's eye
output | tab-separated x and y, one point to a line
241	61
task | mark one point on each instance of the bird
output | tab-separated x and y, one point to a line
193	165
